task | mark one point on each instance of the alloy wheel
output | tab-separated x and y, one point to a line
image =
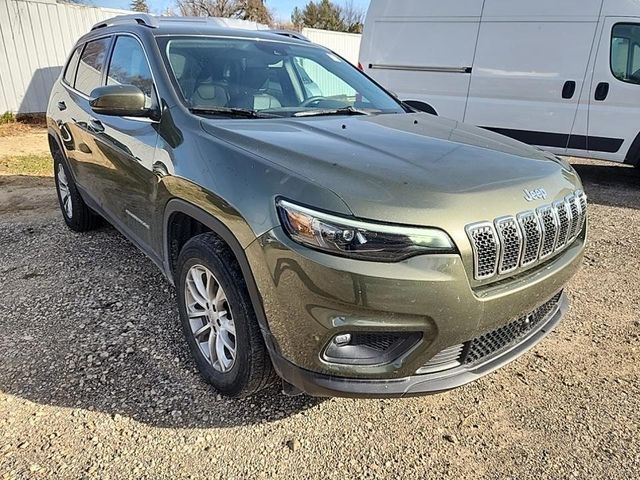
210	318
65	192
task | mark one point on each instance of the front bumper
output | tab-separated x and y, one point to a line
310	297
320	385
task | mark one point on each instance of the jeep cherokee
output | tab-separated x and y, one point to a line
313	225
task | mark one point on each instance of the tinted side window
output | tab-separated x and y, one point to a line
625	59
70	71
129	66
91	65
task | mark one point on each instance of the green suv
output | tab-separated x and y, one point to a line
314	226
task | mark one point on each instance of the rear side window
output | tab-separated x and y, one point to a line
625	52
129	66
70	71
91	65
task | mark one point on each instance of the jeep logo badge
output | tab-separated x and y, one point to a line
537	194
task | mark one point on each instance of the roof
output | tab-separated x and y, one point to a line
160	26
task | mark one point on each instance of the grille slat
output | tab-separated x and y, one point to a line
486	248
511	241
532	235
529	237
549	221
564	223
574	208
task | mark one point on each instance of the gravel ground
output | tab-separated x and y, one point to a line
96	381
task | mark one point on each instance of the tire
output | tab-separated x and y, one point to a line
230	316
77	215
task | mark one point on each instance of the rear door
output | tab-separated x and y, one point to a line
86	160
614	102
528	74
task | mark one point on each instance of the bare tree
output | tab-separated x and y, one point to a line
208	8
254	10
352	16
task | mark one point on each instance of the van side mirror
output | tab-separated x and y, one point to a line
119	100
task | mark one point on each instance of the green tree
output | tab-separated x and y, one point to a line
140	6
327	15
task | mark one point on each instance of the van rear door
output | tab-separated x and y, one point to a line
614	113
530	67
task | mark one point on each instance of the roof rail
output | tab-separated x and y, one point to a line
137	18
290	34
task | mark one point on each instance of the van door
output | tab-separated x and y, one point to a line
423	50
527	77
614	113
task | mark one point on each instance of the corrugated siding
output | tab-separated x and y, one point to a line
35	38
346	45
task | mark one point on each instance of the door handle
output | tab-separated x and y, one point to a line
96	125
62	106
569	89
602	90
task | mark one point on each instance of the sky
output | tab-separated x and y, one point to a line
281	8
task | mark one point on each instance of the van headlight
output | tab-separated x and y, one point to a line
357	239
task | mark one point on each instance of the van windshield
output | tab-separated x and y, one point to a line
270	78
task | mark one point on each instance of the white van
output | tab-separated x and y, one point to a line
560	74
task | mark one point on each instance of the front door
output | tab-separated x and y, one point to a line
127	146
614	105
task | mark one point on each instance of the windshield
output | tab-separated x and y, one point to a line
274	78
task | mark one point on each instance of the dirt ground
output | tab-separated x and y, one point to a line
96	381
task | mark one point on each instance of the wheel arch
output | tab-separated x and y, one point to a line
180	207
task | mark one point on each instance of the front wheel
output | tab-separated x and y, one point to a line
218	319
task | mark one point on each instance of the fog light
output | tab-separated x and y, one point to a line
369	348
342	339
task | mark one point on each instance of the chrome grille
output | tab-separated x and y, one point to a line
485	249
511	241
529	237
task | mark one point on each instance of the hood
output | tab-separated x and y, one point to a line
413	169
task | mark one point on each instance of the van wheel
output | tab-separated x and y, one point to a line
218	319
77	215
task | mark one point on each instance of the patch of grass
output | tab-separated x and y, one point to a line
31	165
7	117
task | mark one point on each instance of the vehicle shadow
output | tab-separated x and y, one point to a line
609	184
87	322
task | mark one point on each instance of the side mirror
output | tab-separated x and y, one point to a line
119	100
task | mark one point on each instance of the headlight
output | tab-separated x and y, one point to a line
357	239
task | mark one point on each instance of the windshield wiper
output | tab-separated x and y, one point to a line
231	112
333	111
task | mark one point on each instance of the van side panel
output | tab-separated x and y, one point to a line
423	50
528	76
